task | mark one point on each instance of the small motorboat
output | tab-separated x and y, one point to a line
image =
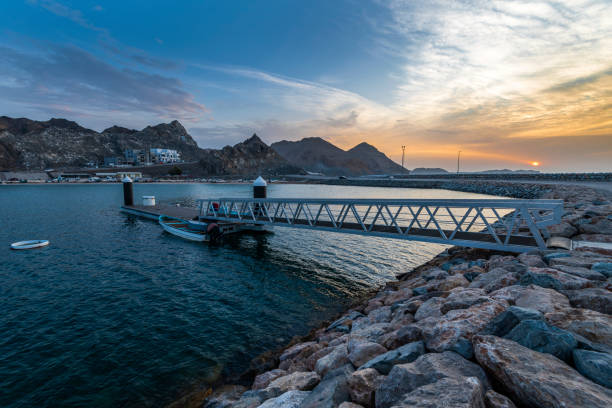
37	243
183	229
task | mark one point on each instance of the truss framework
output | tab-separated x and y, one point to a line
502	224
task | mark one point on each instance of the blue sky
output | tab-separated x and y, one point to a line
506	82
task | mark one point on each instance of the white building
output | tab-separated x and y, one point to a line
165	155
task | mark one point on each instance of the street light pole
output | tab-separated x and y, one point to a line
403	150
458	156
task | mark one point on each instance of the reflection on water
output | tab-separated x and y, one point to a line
117	313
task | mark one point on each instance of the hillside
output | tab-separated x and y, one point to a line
60	143
317	155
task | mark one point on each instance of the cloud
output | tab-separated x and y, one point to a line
59	9
70	76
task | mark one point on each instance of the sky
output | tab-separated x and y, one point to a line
507	83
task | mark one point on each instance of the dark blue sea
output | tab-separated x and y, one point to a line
116	312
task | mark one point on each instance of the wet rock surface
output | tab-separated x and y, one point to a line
468	329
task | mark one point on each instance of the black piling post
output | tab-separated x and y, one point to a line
128	191
259	191
259	188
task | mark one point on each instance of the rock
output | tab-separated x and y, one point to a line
434	274
344	323
362	384
537	379
347	404
554	255
532	260
554	279
462	298
481	281
398	296
262	380
582	272
594	326
501	282
409	306
331	391
337	358
430	308
302	381
405	354
449	283
597	299
605	268
401	336
462	392
363	352
380	315
224	396
577	261
538	336
427	369
295	350
458	324
311	361
504	322
563	229
543	300
600	226
595	366
463	347
253	398
290	399
495	400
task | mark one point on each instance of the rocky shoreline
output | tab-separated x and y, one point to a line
470	328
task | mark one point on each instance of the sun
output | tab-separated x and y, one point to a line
535	163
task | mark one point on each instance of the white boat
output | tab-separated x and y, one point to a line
37	243
183	229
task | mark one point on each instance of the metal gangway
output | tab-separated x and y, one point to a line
500	224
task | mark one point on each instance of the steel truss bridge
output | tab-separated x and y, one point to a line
500	224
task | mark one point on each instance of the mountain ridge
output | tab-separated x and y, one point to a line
318	155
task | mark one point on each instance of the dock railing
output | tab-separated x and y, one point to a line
501	224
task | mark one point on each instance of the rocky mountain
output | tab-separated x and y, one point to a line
36	145
317	155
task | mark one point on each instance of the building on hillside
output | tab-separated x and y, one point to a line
165	155
114	161
137	157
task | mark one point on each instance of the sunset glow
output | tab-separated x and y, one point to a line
535	164
499	80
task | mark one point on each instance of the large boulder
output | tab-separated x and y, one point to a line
331	391
363	384
401	336
496	400
543	300
595	366
427	369
504	322
262	380
461	324
594	326
301	381
404	354
462	298
461	392
604	268
337	358
492	278
584	273
431	308
554	279
290	399
597	299
361	352
538	336
537	379
532	260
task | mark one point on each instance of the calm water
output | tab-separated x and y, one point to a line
117	313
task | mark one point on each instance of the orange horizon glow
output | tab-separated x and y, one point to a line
535	163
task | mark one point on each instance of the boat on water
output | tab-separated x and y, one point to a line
37	243
183	229
191	230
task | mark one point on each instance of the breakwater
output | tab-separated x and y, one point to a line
468	328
